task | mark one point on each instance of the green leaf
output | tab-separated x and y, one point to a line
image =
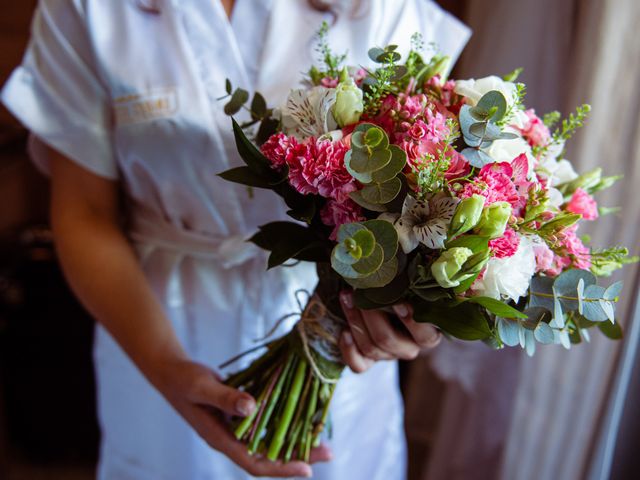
477	158
303	207
541	285
258	106
366	241
389	294
250	153
380	278
391	169
475	243
465	321
366	177
368	265
246	176
289	249
365	163
374	207
238	99
285	240
386	236
508	330
566	285
611	330
348	230
374	53
544	333
227	86
592	308
496	307
373	137
381	193
493	101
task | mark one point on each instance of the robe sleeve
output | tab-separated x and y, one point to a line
57	94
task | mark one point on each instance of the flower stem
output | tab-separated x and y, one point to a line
272	399
287	415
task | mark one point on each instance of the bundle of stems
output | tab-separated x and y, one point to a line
292	400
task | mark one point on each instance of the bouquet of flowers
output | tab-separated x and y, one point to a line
409	187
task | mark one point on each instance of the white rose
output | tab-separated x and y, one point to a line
508	150
475	89
557	171
509	277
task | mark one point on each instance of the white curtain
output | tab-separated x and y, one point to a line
503	415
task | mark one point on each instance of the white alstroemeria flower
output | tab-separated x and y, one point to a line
475	89
423	222
509	277
307	112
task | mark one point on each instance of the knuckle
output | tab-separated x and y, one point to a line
411	353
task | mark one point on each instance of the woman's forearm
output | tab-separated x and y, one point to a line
103	271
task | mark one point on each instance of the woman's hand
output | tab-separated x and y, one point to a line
198	395
371	336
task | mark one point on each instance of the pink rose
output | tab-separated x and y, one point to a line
582	203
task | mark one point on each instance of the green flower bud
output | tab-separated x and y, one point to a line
494	220
447	268
467	215
349	104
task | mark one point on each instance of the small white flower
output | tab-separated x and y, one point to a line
423	222
509	277
307	112
557	170
475	89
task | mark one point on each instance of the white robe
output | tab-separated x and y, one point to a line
131	95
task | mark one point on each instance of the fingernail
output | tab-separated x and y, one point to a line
245	406
347	299
348	338
401	310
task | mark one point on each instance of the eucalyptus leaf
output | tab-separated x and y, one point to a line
374	207
258	106
566	286
238	98
364	177
613	291
391	169
541	292
493	101
544	333
509	331
381	193
592	309
380	278
368	265
529	342
477	158
385	235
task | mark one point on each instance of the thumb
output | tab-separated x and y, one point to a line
225	398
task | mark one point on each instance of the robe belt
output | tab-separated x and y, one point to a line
151	228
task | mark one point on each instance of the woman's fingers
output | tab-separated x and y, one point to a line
352	356
425	335
387	338
359	330
210	428
207	390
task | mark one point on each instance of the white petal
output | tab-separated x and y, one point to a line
444	208
432	233
406	237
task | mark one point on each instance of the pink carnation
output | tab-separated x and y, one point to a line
329	82
584	204
276	149
505	246
338	213
535	131
494	183
317	167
